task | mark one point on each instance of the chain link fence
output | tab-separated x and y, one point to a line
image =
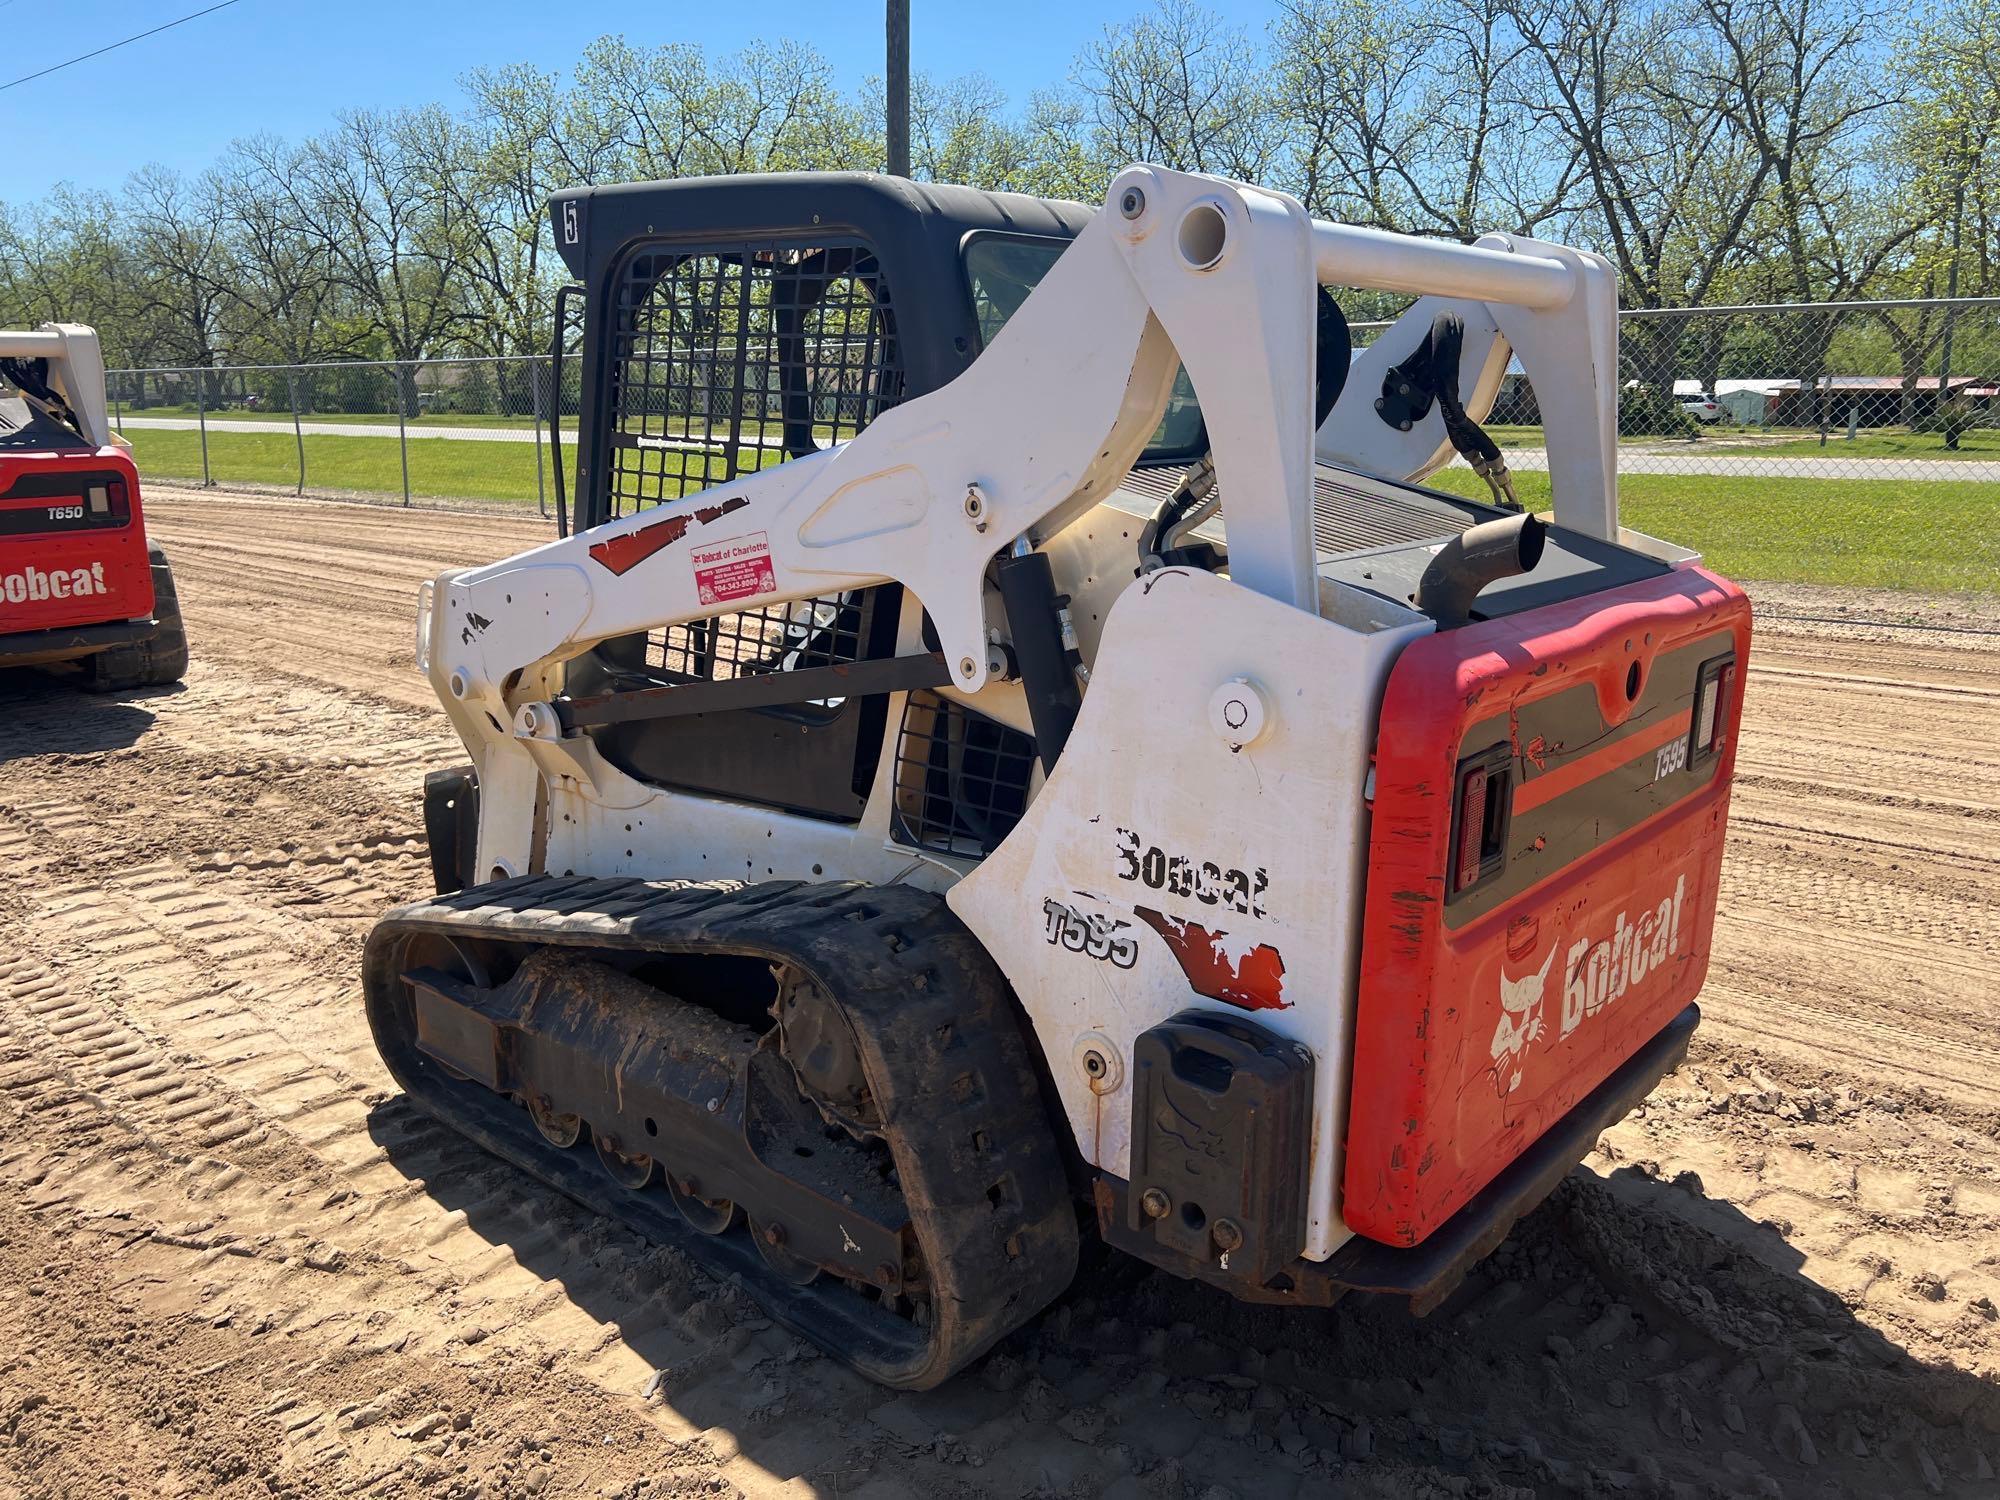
1853	444
417	430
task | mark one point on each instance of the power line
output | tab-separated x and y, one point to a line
114	46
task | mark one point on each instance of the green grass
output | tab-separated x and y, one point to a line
1514	435
1726	438
439	469
360	418
772	432
1881	533
1876	533
1980	443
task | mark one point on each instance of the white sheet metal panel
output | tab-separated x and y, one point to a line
1152	822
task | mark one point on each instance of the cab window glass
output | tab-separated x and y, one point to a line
1003	270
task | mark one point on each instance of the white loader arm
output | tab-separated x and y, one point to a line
1174	269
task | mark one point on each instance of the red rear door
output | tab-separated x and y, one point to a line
1551	790
72	542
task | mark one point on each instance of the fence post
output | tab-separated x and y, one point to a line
536	387
201	420
118	406
402	430
298	431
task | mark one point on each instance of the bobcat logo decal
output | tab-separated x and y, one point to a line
1520	1024
1640	951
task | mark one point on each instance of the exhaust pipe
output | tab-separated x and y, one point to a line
1478	556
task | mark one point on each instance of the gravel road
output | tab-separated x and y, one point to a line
233	1262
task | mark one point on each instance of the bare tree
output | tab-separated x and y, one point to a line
66	259
1402	116
1056	157
1710	148
378	195
1668	190
178	231
283	288
1794	84
672	113
532	136
959	132
1178	87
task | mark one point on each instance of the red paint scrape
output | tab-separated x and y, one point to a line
1253	979
621	554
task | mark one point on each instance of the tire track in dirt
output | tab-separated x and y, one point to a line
343	1209
323	592
1859	930
193	874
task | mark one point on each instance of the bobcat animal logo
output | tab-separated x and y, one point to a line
1520	1024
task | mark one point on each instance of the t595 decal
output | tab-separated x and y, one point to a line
1102	937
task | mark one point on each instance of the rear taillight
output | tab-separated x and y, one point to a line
1711	708
109	499
1471	826
1479	817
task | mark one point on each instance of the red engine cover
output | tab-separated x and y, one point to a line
1485	1013
64	558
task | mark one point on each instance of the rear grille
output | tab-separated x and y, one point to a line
961	778
1346	518
726	359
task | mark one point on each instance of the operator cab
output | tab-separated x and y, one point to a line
731	324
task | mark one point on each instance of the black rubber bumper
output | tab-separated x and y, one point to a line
35	647
1429	1272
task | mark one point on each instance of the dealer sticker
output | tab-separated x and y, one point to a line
734	569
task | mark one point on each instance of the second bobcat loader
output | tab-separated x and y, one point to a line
1009	750
80	583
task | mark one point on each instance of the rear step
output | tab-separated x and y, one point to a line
981	1235
1426	1274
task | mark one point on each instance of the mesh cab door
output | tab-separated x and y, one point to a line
725	358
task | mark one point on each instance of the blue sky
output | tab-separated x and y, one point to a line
287	67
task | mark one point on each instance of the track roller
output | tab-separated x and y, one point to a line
633	1173
784	1265
708	1215
560	1131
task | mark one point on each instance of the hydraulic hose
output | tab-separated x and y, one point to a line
1431	374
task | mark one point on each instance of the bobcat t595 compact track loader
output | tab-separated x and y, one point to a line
78	582
1008	750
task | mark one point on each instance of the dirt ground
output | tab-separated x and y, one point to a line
233	1262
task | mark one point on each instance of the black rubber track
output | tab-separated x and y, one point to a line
943	1050
151	663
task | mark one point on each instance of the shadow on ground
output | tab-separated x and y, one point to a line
47	712
1616	1342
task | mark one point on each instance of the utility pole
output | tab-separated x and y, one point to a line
1963	162
899	87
